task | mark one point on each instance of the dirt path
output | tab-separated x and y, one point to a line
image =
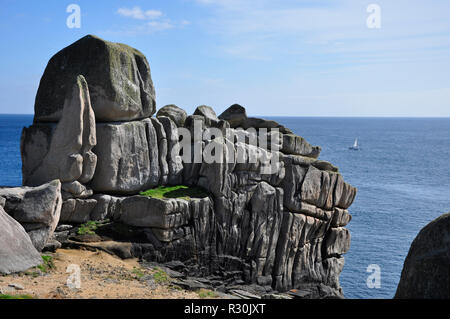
102	277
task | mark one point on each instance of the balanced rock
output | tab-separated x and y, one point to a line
17	252
119	81
63	151
173	112
426	271
37	209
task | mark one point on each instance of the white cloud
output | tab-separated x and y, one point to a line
159	25
152	21
139	14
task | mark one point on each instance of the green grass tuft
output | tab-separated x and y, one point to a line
161	277
138	272
88	228
16	297
180	191
207	294
47	264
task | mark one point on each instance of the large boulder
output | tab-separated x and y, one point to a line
17	252
133	156
297	145
173	112
236	115
426	271
38	209
208	113
123	164
119	81
63	151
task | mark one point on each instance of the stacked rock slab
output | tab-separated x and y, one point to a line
277	221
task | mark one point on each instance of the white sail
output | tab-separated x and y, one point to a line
356	144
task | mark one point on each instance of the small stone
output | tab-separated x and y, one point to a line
16	286
63	227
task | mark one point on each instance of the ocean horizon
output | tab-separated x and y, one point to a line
402	173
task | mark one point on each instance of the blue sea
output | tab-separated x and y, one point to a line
402	174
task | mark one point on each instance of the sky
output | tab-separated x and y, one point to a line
275	57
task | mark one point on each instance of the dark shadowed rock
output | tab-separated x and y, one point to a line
118	76
426	271
173	112
235	115
17	252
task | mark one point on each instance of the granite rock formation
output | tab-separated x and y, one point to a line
119	81
17	253
426	271
176	114
38	209
63	151
275	215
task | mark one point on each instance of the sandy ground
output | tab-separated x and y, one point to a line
102	277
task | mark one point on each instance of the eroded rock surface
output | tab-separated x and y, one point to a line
38	209
176	114
119	81
62	151
17	252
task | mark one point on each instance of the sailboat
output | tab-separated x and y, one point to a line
355	146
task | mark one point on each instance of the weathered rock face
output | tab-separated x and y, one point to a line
208	113
123	164
176	114
275	215
63	151
426	271
119	81
17	252
37	208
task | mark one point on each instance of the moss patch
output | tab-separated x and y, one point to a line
180	191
